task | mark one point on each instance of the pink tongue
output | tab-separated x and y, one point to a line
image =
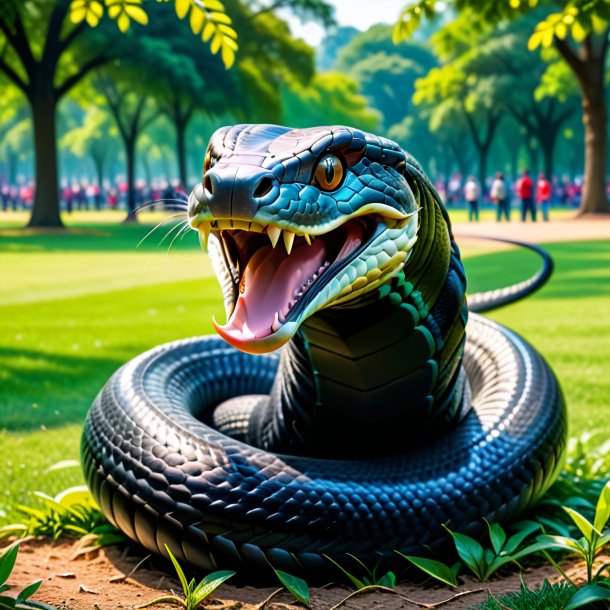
270	281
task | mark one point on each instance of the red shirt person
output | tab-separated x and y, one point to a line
544	191
525	190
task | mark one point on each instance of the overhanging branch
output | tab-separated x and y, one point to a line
14	77
73	80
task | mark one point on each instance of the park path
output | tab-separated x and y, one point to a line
587	228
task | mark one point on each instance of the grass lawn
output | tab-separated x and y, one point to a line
75	305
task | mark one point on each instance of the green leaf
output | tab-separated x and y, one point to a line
210	583
29	590
582	524
297	586
602	510
179	571
387	580
525	529
497	535
355	581
7	602
7	563
470	552
436	569
561	542
586	595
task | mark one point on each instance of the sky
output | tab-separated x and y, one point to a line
358	13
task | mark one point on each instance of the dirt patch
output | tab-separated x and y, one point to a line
124	578
584	228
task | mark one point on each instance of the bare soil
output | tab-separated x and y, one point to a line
123	578
589	227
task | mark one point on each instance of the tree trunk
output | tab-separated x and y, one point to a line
181	152
98	162
595	119
532	153
45	212
130	154
483	154
547	144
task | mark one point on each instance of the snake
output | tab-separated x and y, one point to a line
351	405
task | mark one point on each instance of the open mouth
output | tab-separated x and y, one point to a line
276	273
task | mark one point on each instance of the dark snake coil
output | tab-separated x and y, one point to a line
164	474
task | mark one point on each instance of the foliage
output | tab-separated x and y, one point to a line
297	586
588	546
207	18
577	18
72	512
8	559
194	593
436	569
386	72
371	577
483	563
330	99
548	596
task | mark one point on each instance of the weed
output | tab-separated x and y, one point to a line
483	563
194	594
371	579
73	512
7	563
544	598
587	547
296	586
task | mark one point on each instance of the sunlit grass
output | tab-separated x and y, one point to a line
75	305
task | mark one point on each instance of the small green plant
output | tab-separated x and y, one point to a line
371	579
73	512
587	547
194	594
295	585
7	563
544	598
483	563
586	469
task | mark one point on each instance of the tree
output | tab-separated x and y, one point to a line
129	98
37	43
96	137
386	72
37	58
471	99
330	99
579	30
503	58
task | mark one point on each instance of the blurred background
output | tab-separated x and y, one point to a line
113	119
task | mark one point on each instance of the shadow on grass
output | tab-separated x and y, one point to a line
49	390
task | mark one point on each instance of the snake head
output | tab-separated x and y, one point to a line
298	220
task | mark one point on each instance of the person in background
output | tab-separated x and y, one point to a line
499	195
544	193
471	195
525	190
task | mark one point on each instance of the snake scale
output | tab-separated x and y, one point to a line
389	410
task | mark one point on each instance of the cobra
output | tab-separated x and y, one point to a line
352	406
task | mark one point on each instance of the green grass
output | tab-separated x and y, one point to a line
74	306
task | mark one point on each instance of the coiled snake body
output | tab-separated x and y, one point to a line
375	424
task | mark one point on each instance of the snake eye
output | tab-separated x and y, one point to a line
329	173
209	161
